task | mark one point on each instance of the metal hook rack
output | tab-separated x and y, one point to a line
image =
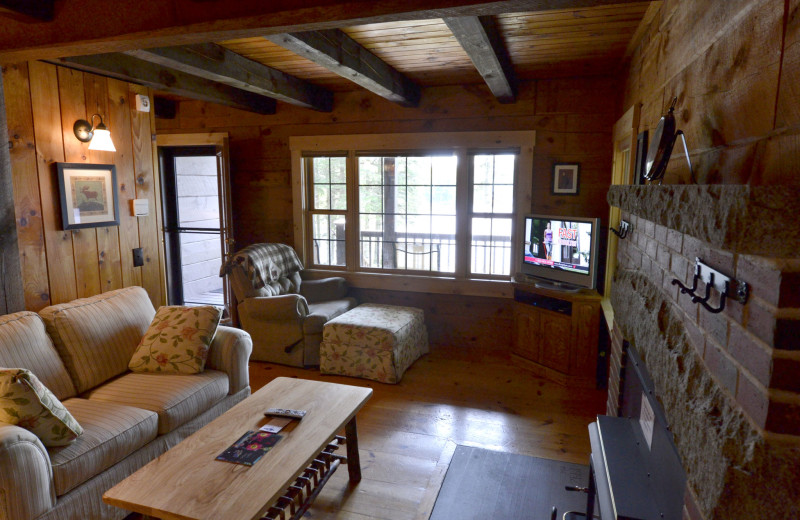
726	286
624	228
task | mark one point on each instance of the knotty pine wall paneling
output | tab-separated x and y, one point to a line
736	82
58	265
12	296
27	204
572	117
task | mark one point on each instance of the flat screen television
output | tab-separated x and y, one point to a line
560	252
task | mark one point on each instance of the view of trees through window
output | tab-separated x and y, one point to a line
407	211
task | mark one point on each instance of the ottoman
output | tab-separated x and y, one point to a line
373	341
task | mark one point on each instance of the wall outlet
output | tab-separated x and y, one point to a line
142	103
138	257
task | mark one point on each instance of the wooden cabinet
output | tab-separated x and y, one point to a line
556	333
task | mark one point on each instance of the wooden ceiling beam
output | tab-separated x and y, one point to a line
82	27
36	11
340	54
128	68
481	40
216	63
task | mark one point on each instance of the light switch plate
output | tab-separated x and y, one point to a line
140	208
142	103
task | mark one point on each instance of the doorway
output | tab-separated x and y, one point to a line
195	232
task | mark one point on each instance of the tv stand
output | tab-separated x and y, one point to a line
556	333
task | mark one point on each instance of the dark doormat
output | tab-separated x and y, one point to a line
490	484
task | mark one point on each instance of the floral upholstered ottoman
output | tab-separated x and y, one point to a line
373	341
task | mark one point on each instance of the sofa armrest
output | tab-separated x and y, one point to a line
333	288
286	307
230	352
26	476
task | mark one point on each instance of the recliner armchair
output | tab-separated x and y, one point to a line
283	312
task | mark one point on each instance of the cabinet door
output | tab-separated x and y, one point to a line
555	338
526	332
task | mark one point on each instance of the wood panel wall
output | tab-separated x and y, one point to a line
11	294
572	117
735	68
42	103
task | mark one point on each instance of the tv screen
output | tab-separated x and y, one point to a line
561	250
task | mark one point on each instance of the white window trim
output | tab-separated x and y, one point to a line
460	143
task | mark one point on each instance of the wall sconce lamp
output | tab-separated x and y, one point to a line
98	137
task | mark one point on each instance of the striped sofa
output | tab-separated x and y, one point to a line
80	351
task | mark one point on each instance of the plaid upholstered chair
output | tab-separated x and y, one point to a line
283	312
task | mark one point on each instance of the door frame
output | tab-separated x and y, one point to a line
221	142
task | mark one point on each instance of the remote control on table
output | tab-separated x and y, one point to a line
284	412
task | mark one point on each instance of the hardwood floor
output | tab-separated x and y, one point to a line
408	432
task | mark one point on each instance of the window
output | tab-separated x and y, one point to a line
431	205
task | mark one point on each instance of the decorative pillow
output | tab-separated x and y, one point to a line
26	402
177	341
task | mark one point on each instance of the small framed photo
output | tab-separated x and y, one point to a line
565	178
88	195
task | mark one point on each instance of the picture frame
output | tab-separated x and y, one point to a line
565	179
88	195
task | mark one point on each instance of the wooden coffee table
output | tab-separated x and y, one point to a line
187	483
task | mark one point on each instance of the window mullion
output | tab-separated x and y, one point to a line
353	227
463	207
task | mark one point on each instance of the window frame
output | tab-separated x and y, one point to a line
463	145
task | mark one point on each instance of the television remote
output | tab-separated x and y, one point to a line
284	412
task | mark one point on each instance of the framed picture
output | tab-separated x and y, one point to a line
88	195
565	179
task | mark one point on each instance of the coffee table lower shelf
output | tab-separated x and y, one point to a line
299	496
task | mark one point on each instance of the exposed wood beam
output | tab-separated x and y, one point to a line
38	10
481	41
82	27
216	63
339	53
12	294
128	68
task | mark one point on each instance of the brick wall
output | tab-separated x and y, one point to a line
752	350
729	382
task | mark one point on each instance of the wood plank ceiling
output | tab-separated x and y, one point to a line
395	59
566	42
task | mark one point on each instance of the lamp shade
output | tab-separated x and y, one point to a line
102	140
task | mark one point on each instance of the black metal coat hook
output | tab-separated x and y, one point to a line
624	228
713	279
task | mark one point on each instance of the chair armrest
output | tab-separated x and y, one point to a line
275	308
333	288
26	476
230	352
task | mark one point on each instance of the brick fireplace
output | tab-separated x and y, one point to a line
729	382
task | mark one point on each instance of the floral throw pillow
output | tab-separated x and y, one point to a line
177	341
26	402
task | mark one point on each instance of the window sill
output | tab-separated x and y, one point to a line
425	284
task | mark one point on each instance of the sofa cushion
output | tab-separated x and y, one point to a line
96	336
24	343
176	398
26	402
177	341
111	432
